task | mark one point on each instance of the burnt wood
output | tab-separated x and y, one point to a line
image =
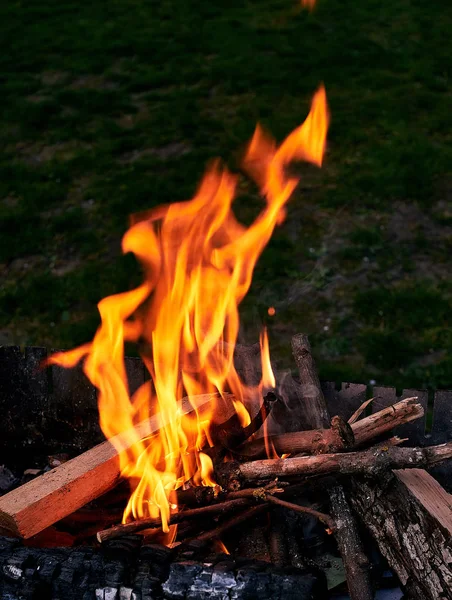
127	570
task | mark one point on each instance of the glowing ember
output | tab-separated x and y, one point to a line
271	311
198	262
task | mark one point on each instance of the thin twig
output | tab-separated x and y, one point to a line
211	509
326	519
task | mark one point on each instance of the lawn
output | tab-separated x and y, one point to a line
109	108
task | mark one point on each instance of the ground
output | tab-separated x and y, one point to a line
113	107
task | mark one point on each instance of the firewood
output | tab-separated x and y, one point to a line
314	404
356	563
194	513
326	519
384	420
410	516
315	441
217	532
341	435
41	502
372	462
349	543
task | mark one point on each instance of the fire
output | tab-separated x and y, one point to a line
308	3
198	262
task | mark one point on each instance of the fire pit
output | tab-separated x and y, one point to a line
276	551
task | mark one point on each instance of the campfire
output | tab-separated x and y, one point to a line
212	448
220	478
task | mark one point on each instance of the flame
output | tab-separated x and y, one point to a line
198	262
271	311
220	547
268	378
308	3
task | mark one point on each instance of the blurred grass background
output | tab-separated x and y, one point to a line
113	107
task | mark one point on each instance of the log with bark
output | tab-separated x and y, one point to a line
373	461
347	536
341	436
410	516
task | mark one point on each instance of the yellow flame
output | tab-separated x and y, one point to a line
198	262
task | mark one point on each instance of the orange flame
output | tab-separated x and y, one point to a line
198	262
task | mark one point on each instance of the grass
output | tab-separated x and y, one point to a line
115	107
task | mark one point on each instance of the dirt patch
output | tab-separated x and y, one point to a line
92	82
34	153
167	152
129	121
50	78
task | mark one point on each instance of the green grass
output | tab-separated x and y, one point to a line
113	107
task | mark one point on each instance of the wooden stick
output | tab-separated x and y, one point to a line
41	502
357	576
206	537
316	441
326	519
358	412
372	462
384	420
356	563
315	406
341	436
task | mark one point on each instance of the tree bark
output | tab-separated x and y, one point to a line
314	402
356	563
410	516
371	462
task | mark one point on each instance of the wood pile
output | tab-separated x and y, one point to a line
349	472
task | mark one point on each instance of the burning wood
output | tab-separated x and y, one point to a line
59	492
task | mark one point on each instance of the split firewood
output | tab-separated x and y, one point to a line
314	403
41	502
410	516
373	461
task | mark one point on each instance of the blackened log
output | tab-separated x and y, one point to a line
240	579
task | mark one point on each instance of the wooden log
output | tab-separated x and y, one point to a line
371	462
340	436
41	502
347	535
315	441
410	516
387	419
314	406
356	563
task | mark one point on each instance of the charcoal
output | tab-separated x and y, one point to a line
190	580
